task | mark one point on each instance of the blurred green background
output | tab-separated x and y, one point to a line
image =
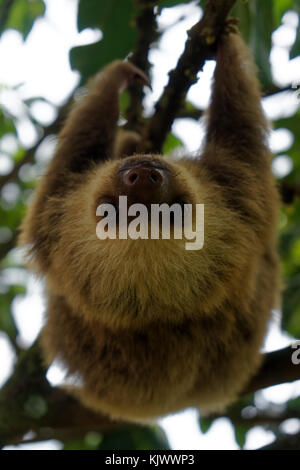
264	25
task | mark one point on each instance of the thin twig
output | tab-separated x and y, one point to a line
276	91
198	48
147	33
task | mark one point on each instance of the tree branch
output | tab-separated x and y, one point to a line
28	402
260	419
147	33
289	192
269	417
287	442
190	113
277	368
277	90
198	48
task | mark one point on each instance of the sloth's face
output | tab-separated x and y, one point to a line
144	180
129	281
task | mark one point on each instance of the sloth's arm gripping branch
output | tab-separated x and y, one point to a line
89	132
87	137
235	118
236	153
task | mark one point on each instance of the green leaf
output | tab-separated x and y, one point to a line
295	51
170	143
19	155
296	4
7	323
118	34
291	305
290	257
256	26
36	406
205	424
124	102
131	438
280	7
12	217
23	13
78	444
6	124
262	21
240	433
293	405
242	12
135	438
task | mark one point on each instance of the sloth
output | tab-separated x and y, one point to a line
147	327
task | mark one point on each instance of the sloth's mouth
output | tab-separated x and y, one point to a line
143	162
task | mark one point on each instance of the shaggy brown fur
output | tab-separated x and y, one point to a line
149	327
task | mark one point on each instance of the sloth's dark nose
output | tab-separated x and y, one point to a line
144	181
143	177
